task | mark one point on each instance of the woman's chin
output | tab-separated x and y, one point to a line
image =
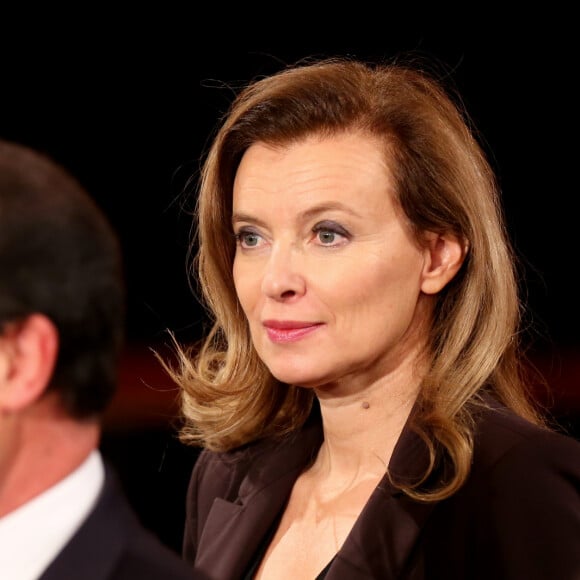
297	377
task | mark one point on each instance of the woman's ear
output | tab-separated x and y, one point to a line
28	353
444	255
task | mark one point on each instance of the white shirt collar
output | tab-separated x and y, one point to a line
32	535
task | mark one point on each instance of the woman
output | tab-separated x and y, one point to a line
360	397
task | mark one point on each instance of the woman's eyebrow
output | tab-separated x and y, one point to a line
329	206
246	217
307	214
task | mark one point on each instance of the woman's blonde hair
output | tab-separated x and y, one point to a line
444	183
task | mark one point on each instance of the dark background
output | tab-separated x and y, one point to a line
132	121
129	107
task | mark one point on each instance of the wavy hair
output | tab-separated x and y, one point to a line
444	184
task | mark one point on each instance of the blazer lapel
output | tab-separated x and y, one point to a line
380	544
233	530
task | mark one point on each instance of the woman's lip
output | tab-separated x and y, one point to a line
289	331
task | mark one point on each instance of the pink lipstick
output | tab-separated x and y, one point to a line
289	330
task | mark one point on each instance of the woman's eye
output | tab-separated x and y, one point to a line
247	239
330	234
327	236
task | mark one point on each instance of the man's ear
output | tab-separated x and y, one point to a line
28	353
444	255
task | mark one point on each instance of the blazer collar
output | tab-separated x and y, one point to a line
234	529
379	543
382	538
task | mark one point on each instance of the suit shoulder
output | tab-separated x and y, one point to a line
146	558
112	543
219	474
506	443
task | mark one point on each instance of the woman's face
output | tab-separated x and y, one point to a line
326	269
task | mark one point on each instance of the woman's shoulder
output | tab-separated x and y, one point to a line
507	443
521	498
263	460
219	468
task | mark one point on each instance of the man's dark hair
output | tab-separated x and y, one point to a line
59	256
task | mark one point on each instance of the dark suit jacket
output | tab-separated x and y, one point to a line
113	545
517	517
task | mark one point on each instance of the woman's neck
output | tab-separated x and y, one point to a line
362	426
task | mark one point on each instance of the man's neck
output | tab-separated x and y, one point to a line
45	446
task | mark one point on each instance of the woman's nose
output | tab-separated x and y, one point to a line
283	279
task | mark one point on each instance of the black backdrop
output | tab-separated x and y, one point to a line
129	110
132	124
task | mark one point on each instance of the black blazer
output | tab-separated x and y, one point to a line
113	545
517	517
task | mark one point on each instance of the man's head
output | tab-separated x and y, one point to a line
61	282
